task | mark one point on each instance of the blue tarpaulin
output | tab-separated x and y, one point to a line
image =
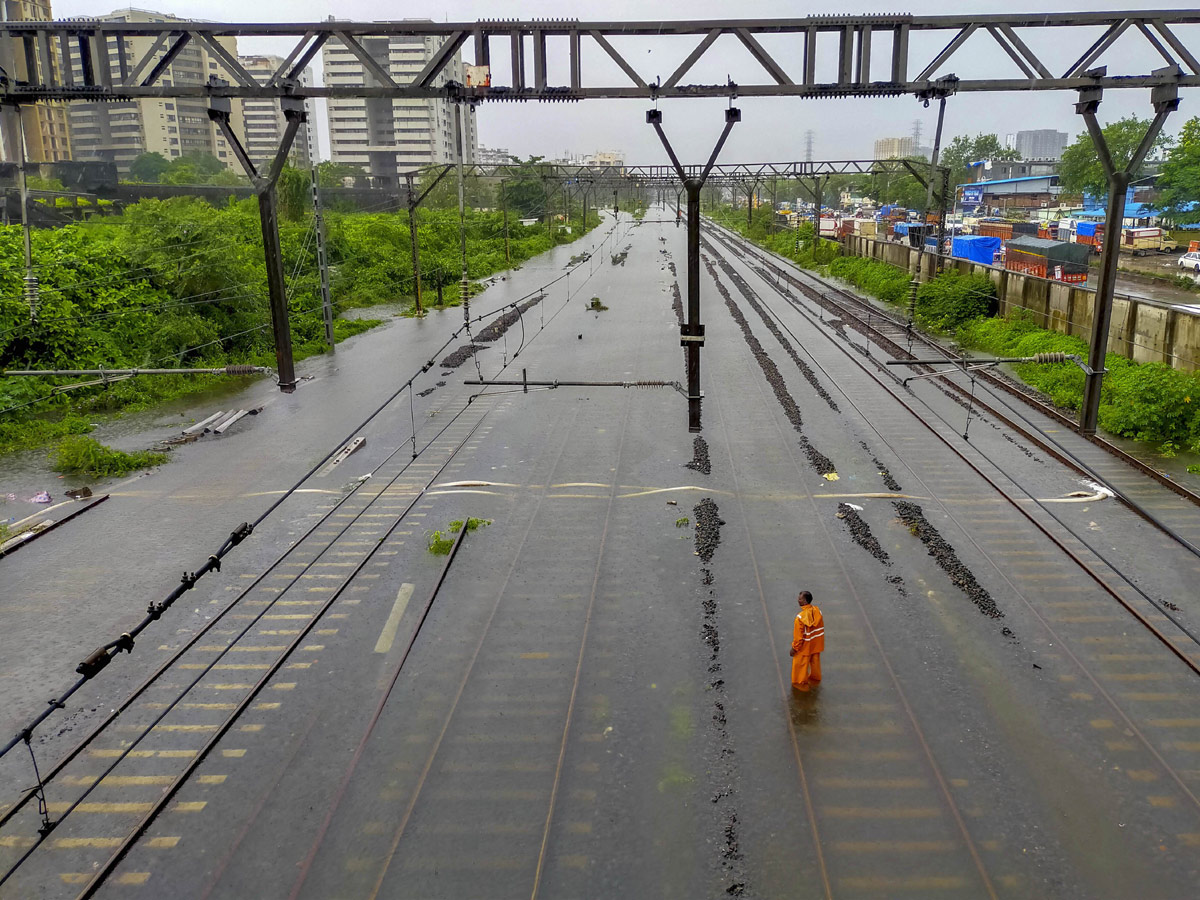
1085	229
900	228
975	247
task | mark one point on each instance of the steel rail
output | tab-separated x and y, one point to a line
131	839
993	380
167	664
105	869
1192	664
1178	779
936	770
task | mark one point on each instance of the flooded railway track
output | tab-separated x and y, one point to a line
109	789
1135	684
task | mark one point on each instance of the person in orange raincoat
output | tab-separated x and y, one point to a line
808	642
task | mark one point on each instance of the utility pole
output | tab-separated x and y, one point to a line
322	260
12	124
1165	99
465	284
504	206
219	112
412	238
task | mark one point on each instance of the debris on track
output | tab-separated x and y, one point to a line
700	461
723	768
861	533
888	479
496	328
456	358
939	548
818	460
755	303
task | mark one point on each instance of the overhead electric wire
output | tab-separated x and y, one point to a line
100	658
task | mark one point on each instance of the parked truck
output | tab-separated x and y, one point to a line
1140	241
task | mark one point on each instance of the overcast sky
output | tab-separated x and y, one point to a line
771	128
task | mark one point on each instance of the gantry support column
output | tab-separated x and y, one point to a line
1165	100
692	331
268	213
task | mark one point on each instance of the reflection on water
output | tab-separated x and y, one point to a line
805	709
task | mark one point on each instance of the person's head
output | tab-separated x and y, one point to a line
805	598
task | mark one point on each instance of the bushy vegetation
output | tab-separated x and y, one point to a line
872	277
182	283
1145	401
952	298
1148	401
80	455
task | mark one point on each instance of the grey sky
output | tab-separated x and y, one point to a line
771	128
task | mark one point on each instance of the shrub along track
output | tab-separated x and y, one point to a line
1181	644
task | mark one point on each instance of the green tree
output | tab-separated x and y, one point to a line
294	190
149	168
1081	171
1179	180
331	174
964	150
525	192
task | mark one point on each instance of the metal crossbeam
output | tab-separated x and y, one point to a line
667	174
788	53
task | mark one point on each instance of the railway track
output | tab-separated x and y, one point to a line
1127	680
126	773
1159	621
896	336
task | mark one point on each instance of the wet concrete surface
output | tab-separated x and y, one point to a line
598	701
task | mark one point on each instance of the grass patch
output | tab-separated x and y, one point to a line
682	522
82	455
596	305
441	542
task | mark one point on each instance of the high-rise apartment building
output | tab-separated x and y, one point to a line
265	123
388	136
895	148
1043	143
122	130
493	156
45	125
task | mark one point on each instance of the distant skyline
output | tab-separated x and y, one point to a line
771	128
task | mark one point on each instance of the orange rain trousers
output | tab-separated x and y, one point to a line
806	670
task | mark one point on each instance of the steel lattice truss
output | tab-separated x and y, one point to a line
855	55
667	176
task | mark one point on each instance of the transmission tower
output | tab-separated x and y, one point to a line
808	145
916	134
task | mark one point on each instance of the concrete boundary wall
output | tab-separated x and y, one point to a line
1142	330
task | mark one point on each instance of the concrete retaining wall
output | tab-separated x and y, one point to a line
1143	330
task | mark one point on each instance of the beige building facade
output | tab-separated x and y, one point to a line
265	124
121	131
895	148
389	136
45	125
